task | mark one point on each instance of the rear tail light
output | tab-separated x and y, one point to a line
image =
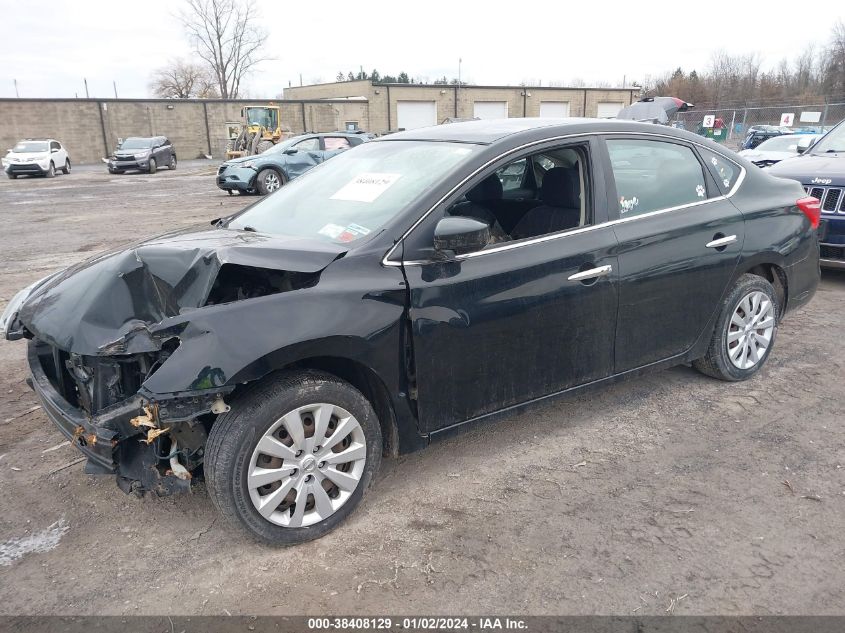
811	207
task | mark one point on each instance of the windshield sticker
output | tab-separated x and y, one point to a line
357	228
331	230
366	187
628	205
699	189
352	232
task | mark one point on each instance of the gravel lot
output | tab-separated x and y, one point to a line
667	492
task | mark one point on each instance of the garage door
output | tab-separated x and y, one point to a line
490	109
414	114
609	109
554	109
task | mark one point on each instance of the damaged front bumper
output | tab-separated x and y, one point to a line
140	440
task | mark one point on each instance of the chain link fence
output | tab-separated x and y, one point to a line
730	126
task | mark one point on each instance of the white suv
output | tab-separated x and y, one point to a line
36	156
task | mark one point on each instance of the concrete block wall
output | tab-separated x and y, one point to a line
90	128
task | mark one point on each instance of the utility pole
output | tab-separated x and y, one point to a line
457	90
86	87
17	94
114	84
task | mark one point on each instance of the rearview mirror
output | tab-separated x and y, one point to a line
460	235
804	144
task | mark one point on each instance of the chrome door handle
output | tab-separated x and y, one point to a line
591	273
722	241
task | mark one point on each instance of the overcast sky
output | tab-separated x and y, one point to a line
50	50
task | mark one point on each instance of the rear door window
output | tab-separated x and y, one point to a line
654	175
336	142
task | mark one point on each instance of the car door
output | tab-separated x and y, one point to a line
163	158
680	239
516	321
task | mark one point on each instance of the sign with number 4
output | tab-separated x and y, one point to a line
787	119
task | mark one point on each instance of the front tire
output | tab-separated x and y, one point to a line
172	164
152	166
66	168
745	331
51	171
269	180
293	457
11	176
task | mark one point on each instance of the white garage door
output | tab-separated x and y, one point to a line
490	109
609	109
414	114
554	109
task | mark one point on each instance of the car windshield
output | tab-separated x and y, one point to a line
137	143
31	146
787	143
357	192
833	141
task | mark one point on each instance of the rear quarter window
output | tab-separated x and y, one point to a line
725	172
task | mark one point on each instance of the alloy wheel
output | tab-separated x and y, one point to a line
272	182
750	330
307	465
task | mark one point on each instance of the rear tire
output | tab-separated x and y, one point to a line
269	180
253	439
745	331
263	146
51	171
66	168
152	166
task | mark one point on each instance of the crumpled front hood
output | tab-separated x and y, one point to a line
813	169
89	306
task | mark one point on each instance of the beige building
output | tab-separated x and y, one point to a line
382	107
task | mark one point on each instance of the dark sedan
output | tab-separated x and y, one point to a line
266	172
427	281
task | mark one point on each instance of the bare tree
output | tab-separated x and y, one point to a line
226	34
183	80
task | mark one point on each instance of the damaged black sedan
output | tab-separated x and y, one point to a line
403	290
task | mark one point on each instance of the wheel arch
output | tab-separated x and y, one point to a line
364	379
773	272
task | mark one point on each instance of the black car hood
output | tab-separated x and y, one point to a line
813	169
97	306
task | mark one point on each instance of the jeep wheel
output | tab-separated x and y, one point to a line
745	332
293	457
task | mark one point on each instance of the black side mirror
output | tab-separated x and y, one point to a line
290	151
459	235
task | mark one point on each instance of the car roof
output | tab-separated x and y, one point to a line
489	131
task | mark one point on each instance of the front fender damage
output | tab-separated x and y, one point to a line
134	310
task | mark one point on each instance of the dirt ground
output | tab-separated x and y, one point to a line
672	493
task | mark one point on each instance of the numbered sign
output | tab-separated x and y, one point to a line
709	120
787	118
